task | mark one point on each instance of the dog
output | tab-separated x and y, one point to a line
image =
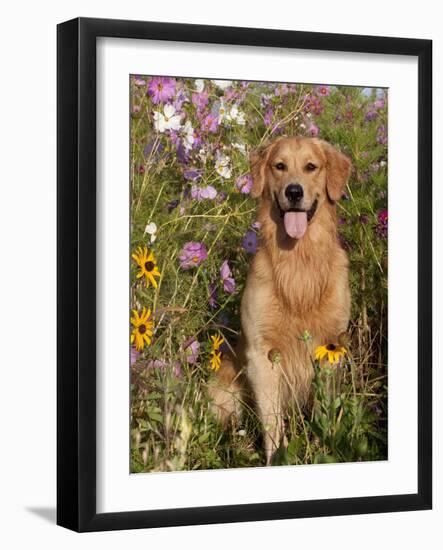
297	282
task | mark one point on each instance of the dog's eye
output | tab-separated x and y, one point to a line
280	166
310	167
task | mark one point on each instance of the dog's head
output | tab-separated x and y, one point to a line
298	175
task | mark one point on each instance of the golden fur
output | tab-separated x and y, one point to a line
293	285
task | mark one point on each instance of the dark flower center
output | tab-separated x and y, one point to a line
142	329
331	347
149	266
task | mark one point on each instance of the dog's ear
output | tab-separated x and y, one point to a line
337	171
257	162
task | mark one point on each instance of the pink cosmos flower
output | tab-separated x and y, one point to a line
209	124
191	349
192	255
379	103
212	300
138	81
313	105
134	355
201	193
158	364
313	130
244	183
161	89
382	226
228	281
323	90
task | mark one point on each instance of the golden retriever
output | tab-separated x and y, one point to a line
297	281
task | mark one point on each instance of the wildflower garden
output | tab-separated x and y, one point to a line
193	233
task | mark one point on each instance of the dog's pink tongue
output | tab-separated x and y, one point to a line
296	224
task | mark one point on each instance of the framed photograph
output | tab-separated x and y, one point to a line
244	274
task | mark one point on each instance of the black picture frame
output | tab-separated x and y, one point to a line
76	281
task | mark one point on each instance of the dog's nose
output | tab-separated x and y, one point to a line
294	192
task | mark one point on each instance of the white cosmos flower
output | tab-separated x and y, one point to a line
203	155
222	111
223	84
236	115
151	230
240	147
167	120
188	137
199	85
222	166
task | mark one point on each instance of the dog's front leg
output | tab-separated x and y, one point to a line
266	385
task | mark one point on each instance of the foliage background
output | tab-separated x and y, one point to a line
197	145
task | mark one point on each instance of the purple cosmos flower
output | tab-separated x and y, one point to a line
197	139
371	115
264	100
134	355
244	183
382	135
161	89
179	100
228	281
313	129
182	153
200	100
172	205
210	124
223	320
344	243
212	300
256	225
193	174
379	103
191	349
250	242
201	193
323	90
192	255
269	115
148	149
364	219
382	226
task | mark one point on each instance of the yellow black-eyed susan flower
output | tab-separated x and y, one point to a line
142	332
147	263
332	352
215	361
